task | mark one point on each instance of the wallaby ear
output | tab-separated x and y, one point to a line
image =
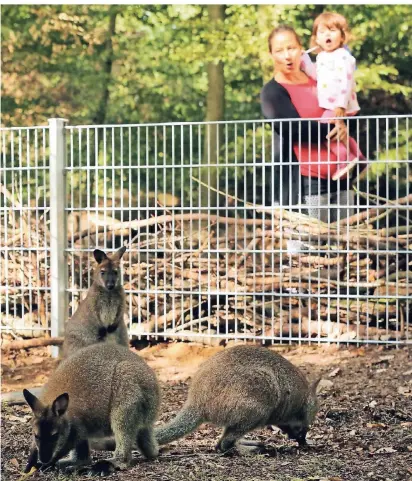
119	253
314	385
35	404
60	404
99	255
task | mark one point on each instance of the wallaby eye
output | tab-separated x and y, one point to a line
102	271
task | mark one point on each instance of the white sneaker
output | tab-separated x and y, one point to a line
295	246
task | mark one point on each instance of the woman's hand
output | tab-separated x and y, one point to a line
339	132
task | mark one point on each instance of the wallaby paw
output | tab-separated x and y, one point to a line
251	442
121	466
152	455
44	468
101	468
29	467
72	469
305	446
249	450
226	450
69	466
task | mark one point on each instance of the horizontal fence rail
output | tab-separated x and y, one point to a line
227	235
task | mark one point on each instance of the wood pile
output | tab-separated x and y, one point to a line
216	275
24	274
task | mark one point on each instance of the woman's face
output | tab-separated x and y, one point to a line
286	52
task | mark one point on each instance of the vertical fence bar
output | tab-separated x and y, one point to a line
58	225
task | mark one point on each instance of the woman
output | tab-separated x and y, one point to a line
306	163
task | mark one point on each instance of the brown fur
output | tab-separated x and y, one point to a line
99	317
241	389
99	391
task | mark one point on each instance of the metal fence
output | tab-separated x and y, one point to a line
25	230
211	253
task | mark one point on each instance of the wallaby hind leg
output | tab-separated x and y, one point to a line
230	436
147	444
125	427
233	434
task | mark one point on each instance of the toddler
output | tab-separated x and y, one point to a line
334	73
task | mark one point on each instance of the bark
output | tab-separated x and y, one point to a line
215	110
101	113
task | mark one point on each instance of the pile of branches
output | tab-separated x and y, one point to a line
203	273
25	269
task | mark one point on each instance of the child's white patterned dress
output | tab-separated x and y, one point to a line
334	74
336	84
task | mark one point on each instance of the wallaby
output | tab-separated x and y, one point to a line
244	388
100	391
99	317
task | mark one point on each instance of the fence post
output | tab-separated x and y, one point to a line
58	229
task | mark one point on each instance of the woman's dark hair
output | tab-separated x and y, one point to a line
280	29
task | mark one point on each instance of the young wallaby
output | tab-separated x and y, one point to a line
100	391
244	388
99	317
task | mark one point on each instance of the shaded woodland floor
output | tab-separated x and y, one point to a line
363	430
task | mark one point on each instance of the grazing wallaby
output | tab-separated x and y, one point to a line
99	317
100	391
241	389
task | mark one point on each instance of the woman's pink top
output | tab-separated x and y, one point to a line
314	160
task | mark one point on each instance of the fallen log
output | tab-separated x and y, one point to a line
366	214
28	343
333	330
305	232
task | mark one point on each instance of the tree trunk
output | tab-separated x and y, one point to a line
215	110
100	116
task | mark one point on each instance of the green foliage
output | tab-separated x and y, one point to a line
53	59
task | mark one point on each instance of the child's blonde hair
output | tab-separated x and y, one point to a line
331	19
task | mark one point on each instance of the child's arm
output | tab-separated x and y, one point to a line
308	66
339	112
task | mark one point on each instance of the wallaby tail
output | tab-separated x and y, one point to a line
186	421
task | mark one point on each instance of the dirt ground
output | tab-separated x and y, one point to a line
363	430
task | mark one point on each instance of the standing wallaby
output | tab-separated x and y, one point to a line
241	389
99	391
99	317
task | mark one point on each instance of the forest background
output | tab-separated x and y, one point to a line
96	64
